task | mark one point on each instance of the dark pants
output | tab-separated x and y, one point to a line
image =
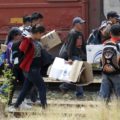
34	91
67	86
33	78
110	83
19	78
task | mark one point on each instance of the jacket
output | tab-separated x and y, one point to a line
27	48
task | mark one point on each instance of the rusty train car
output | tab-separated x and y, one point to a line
58	14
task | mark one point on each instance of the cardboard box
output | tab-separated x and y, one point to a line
94	53
50	40
79	72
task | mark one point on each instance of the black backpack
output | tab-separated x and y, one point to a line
111	58
17	54
94	38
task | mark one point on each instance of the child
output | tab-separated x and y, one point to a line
31	66
13	35
26	27
75	50
111	66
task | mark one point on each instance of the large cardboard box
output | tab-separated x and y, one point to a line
50	40
78	73
94	53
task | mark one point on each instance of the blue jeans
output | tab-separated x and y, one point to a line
67	86
33	78
109	84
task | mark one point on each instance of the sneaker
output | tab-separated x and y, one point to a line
44	106
11	109
25	106
63	91
82	97
25	101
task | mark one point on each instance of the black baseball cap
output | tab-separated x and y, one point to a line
78	20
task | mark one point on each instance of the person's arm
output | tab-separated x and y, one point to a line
106	31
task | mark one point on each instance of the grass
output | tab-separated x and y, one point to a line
65	112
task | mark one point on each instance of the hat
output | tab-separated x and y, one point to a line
78	20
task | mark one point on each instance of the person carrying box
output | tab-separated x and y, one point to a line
75	50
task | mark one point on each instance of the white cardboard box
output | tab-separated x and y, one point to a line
94	53
78	73
50	40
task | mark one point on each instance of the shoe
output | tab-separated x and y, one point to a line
25	101
11	109
25	106
63	91
81	97
44	106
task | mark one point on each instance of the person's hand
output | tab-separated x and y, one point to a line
109	22
69	62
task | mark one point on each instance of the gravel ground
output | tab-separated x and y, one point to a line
53	95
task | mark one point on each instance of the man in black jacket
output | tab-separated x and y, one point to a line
75	51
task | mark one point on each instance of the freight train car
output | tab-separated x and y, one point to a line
58	14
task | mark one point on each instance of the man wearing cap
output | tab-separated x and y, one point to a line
75	51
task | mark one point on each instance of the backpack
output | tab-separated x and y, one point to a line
111	58
47	60
94	38
63	51
17	55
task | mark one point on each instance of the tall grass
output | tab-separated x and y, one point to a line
2	108
100	112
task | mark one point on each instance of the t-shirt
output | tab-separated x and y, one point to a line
37	54
37	47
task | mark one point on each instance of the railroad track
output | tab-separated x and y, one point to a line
63	105
97	79
68	110
58	108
